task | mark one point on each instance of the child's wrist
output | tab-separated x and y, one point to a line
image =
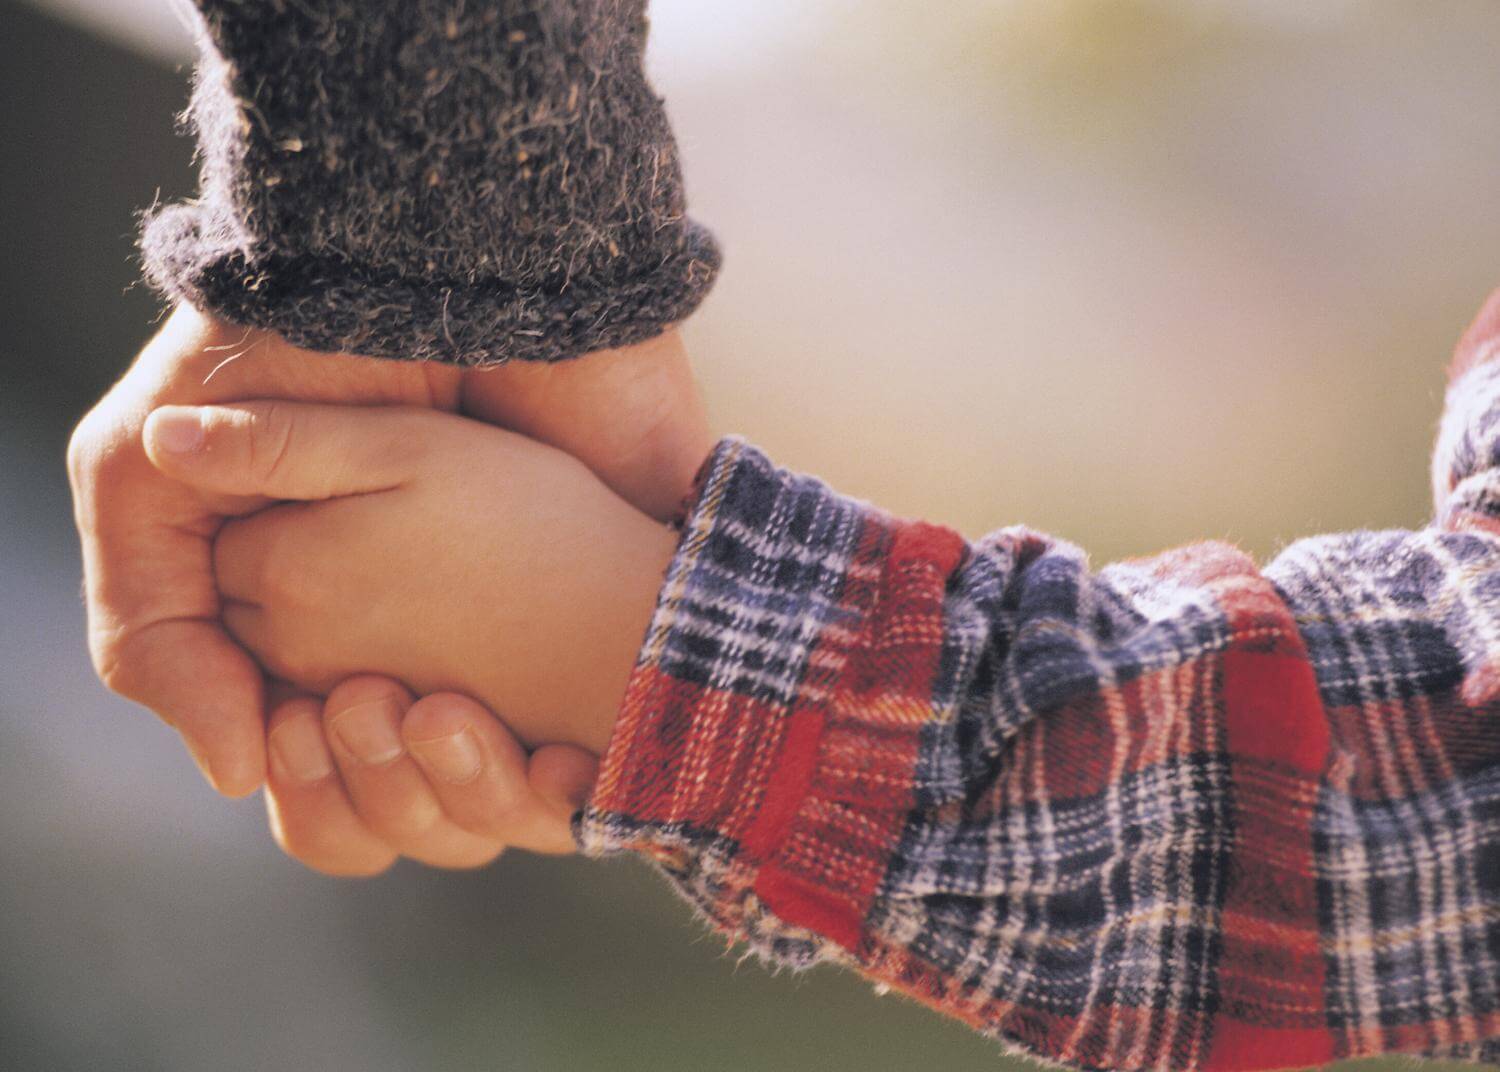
638	565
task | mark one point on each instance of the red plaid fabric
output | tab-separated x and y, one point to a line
1179	813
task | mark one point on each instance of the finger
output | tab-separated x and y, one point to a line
563	775
362	723
285	450
477	770
204	686
246	623
250	626
635	416
279	692
152	607
153	625
311	817
244	552
1481	342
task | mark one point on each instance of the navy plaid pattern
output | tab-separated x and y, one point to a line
1177	813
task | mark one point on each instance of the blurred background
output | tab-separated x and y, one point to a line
1135	272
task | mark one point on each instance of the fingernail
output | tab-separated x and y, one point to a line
368	730
454	758
178	432
298	753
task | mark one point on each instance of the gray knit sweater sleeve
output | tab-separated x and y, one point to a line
462	180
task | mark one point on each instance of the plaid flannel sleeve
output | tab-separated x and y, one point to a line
1178	813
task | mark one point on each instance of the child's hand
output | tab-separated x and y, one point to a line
448	554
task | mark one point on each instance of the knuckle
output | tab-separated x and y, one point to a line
287	572
282	651
409	826
97	461
316	851
367	868
288	661
503	819
117	668
361	689
303	710
110	665
500	817
272	430
291	658
471	860
408	822
80	450
297	842
313	841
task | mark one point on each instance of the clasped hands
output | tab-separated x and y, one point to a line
331	574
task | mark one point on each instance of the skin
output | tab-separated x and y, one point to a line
470	801
344	817
1481	342
449	554
634	416
145	547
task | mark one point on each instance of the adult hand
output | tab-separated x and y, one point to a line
632	416
152	608
453	788
461	790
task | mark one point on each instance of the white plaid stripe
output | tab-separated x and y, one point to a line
995	878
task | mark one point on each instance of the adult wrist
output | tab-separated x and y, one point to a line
524	136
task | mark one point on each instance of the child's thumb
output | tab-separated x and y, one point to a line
280	450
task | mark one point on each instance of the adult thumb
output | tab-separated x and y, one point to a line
634	415
282	450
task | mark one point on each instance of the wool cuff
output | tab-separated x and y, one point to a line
424	179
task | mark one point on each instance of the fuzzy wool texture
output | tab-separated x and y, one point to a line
469	181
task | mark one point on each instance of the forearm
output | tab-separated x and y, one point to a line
1119	819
